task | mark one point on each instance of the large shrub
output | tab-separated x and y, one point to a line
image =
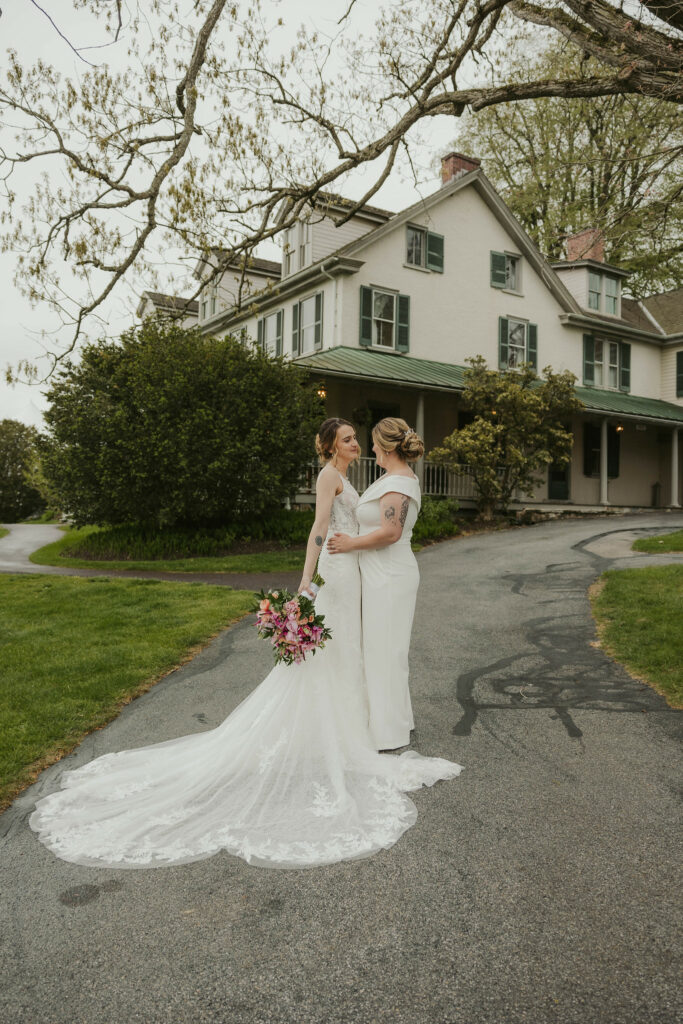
18	498
167	427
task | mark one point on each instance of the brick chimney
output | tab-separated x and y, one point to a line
454	165
588	244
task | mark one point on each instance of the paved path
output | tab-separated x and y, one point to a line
25	538
539	887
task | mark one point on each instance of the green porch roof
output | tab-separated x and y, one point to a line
359	363
362	364
618	402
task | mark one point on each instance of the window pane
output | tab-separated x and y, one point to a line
612	286
610	304
511	273
383	305
271	333
594	289
416	247
516	343
308	312
308	338
598	362
383	333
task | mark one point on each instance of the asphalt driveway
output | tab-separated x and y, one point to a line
540	886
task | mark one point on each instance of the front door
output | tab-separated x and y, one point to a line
558	483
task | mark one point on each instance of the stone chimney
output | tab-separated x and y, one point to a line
454	165
588	244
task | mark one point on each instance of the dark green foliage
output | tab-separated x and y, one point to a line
289	528
436	519
18	499
520	427
170	428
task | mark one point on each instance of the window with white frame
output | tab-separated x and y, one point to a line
305	244
606	364
506	271
424	249
517	343
611	295
594	289
213	297
416	246
289	253
307	322
383	318
603	292
269	330
204	304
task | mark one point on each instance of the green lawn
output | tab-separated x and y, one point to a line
266	561
665	542
3	532
639	614
74	651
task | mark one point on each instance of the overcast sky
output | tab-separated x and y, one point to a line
25	29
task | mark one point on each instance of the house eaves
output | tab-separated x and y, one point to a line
614	329
261	302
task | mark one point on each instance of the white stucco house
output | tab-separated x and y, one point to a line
384	310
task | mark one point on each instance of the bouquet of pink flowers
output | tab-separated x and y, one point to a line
290	623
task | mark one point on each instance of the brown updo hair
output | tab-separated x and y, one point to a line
394	435
326	438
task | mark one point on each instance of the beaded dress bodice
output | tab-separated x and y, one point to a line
343	517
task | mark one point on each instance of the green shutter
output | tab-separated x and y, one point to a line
295	329
278	337
365	315
403	324
612	453
588	359
498	277
624	366
502	343
260	332
435	252
679	374
318	334
532	345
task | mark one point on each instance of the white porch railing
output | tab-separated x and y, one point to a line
438	481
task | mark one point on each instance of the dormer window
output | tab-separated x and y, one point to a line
603	292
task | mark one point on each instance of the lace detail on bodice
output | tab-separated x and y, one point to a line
343	517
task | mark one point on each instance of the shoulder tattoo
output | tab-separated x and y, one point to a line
403	515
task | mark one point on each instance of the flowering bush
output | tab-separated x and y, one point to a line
290	623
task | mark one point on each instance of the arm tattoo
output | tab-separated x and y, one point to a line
403	515
319	541
389	512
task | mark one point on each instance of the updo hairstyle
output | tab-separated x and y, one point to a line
326	438
394	435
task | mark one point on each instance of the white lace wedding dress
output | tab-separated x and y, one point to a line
289	780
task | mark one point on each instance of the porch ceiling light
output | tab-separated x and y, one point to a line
620	428
322	391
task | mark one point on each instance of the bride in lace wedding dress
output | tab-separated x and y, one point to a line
289	780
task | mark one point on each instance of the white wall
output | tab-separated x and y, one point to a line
668	383
455	314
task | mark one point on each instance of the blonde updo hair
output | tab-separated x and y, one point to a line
326	438
394	435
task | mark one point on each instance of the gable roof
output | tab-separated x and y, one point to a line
632	313
667	309
174	302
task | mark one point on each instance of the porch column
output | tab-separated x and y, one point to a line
604	500
675	503
420	429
